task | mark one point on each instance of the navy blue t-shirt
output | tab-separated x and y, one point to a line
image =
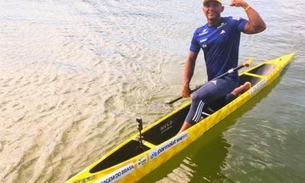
220	45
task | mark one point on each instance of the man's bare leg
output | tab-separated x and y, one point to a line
185	126
241	88
235	92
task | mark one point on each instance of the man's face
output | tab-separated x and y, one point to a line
212	10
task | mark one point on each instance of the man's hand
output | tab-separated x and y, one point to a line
238	3
186	91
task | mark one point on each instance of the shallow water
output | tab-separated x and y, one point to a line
74	75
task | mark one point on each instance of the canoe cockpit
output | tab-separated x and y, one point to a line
169	126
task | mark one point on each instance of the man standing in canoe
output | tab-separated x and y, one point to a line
219	39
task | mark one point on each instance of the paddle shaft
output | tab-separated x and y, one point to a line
245	64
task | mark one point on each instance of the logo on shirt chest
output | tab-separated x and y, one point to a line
204	32
221	25
203	43
203	40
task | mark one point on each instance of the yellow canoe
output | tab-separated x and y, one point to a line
134	158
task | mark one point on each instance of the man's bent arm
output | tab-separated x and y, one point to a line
255	24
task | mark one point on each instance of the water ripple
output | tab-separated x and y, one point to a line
74	75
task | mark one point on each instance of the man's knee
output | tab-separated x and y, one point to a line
196	96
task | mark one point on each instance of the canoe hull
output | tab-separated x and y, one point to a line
160	139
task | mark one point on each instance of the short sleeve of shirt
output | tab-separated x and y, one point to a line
195	47
240	23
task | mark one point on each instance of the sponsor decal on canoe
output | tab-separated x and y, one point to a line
176	140
258	86
142	161
168	125
153	154
118	174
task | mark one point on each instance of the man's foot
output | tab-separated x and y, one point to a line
242	88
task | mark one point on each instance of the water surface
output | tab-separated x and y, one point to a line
74	75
